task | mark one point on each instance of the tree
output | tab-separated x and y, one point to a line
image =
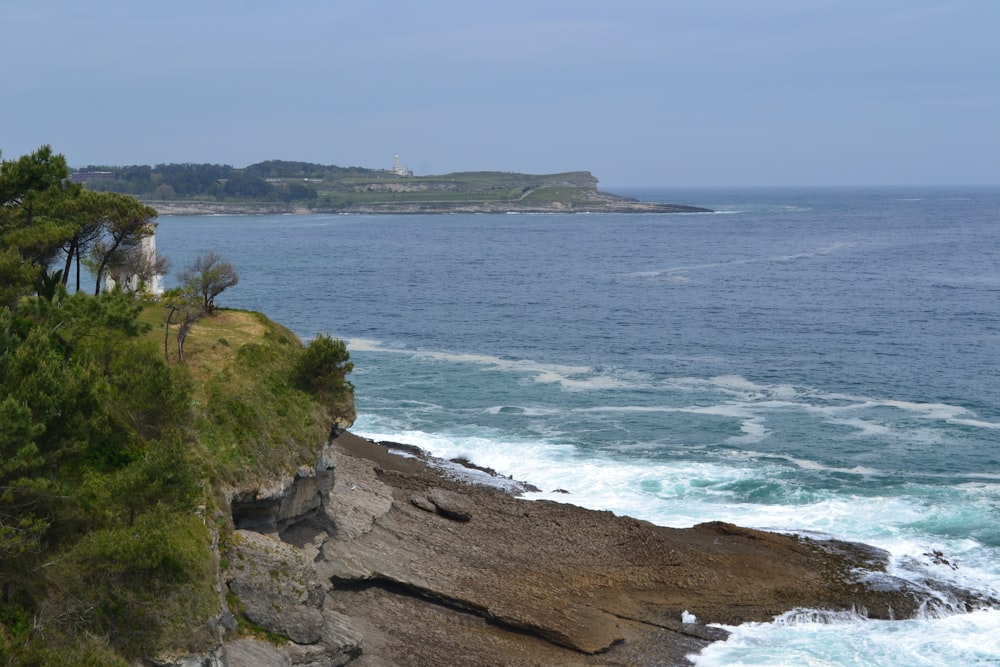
135	267
209	277
84	210
98	482
321	369
183	307
32	231
251	187
126	221
31	175
16	276
44	215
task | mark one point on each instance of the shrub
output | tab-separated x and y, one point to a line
323	365
321	369
141	588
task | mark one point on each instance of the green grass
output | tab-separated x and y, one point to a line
420	197
251	420
550	195
131	572
346	190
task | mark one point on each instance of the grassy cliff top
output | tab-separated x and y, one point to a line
251	418
121	461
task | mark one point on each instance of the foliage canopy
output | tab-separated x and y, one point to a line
208	277
111	454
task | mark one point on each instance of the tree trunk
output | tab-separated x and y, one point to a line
181	335
166	334
104	263
69	262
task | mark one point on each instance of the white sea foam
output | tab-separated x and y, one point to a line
574	378
569	382
820	616
366	345
736	386
929	410
970	640
734	410
790	257
952	414
679	494
976	423
864	427
369	345
833	404
806	464
753	432
984	475
747	392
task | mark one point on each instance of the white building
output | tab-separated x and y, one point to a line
137	273
399	169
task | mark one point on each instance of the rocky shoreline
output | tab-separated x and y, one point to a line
382	556
594	202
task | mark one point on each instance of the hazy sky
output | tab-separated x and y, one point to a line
640	92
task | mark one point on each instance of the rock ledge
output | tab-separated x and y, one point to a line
402	564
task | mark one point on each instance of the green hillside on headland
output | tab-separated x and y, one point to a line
280	186
120	445
120	462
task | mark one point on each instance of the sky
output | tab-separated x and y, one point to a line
644	93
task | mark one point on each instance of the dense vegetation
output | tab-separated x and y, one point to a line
326	187
274	180
114	455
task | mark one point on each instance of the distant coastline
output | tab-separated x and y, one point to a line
281	187
598	202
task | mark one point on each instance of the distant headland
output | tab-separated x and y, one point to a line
278	186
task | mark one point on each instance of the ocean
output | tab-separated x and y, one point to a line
816	361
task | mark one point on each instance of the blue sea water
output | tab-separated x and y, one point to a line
822	361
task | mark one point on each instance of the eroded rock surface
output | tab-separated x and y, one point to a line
273	507
276	585
427	570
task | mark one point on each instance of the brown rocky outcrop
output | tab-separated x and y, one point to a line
408	562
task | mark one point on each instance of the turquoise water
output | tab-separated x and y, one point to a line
821	361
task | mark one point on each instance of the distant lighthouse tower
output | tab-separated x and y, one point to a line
399	169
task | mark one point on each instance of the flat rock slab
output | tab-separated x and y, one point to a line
607	588
255	653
